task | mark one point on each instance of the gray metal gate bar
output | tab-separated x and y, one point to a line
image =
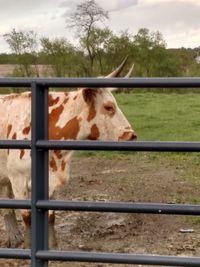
123	207
15	253
15	144
121	145
39	173
118	258
175	82
15	204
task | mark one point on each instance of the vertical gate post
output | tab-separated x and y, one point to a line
39	172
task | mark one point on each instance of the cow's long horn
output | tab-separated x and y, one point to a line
129	72
118	70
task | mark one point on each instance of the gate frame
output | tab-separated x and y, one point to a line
39	145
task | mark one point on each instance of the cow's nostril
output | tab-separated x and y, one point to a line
128	136
134	136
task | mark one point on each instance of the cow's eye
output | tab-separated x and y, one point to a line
110	109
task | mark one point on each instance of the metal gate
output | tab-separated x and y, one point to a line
39	254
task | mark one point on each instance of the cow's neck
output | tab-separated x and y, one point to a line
68	116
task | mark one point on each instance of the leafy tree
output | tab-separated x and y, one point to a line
85	20
117	47
99	41
186	58
24	45
8	58
151	56
61	56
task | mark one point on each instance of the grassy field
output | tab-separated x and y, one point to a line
161	116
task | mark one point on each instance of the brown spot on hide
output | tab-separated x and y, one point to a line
65	100
53	119
58	154
26	130
14	136
89	97
75	97
22	152
8	151
29	94
94	134
68	131
89	94
53	101
53	165
71	129
52	217
26	215
9	130
66	94
63	164
92	112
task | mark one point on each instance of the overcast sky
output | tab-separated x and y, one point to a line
179	21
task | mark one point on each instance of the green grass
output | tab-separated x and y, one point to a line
165	117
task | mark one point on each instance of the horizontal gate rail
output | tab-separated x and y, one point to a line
15	144
123	207
121	145
157	146
190	82
118	258
89	206
15	204
16	253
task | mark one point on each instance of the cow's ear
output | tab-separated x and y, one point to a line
89	94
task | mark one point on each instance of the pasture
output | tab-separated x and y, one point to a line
136	176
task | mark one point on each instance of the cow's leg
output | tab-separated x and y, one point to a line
14	235
26	215
19	173
52	232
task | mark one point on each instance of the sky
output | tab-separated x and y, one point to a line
178	21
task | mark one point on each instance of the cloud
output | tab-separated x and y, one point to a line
117	5
22	14
111	5
177	20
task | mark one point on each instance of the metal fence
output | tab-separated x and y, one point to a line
39	254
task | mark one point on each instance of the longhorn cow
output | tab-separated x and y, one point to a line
77	115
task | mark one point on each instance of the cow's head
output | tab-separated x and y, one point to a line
103	119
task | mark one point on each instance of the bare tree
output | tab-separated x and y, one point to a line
85	19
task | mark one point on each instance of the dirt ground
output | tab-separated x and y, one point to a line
134	178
